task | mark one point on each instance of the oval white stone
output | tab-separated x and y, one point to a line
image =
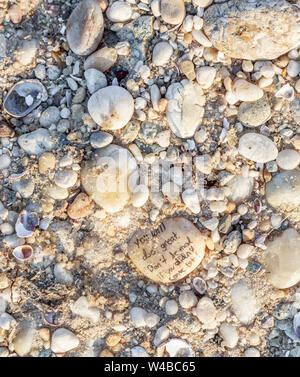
257	148
111	107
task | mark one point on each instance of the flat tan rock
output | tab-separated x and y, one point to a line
168	253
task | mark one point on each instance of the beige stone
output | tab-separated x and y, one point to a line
282	260
168	253
102	60
172	11
46	162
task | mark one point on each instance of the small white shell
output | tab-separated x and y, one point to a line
23	253
26	223
286	92
199	285
175	348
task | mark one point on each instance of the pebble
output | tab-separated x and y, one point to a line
170	235
113	339
244	304
201	38
246	91
283	191
5	161
293	68
100	139
171	307
95	80
162	53
257	148
111	107
85	27
79	95
119	11
63	340
281	260
40	72
24	339
252	352
53	72
229	334
187	299
206	76
50	116
6	131
240	188
140	196
102	60
288	159
191	200
26	54
46	162
62	275
205	310
81	207
138	316
161	335
57	193
254	114
65	113
172	11
244	250
138	352
65	178
272	20
185	108
15	14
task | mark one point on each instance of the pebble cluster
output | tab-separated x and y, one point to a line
149	178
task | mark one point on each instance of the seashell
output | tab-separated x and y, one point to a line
175	348
53	318
286	92
23	253
296	325
257	206
23	97
45	222
17	176
199	285
26	223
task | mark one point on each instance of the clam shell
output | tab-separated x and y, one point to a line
175	348
53	318
286	92
23	253
24	97
296	324
26	223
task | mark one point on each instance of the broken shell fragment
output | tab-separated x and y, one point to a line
53	318
24	97
26	223
23	253
287	92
